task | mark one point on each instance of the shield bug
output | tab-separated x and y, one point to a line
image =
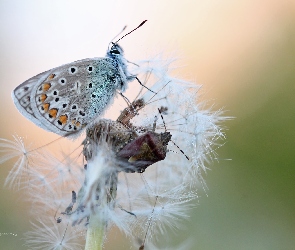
134	152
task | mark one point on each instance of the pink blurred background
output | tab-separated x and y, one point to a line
223	45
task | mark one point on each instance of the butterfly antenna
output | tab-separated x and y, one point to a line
119	32
142	23
118	35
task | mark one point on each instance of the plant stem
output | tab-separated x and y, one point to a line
95	233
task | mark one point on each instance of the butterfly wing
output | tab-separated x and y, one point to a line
21	96
65	99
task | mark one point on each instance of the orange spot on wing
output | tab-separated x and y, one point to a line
42	97
76	123
46	86
51	76
52	113
63	119
45	107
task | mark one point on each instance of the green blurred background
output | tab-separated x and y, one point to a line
243	52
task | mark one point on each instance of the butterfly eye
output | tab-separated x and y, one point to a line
73	70
62	81
115	51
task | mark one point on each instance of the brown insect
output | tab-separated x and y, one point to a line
145	150
134	152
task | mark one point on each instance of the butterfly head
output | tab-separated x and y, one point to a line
115	51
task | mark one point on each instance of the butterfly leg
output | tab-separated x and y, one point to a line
144	85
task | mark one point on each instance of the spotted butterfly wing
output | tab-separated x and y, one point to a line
65	99
22	97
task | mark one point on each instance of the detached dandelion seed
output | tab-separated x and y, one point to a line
48	234
16	149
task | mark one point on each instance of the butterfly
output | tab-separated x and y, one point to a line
64	100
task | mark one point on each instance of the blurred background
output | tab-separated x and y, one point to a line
242	52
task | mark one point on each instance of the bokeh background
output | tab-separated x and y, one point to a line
242	52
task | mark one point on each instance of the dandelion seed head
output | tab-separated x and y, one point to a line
139	173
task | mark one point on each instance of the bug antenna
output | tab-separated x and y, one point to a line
162	119
170	139
125	99
180	150
142	23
